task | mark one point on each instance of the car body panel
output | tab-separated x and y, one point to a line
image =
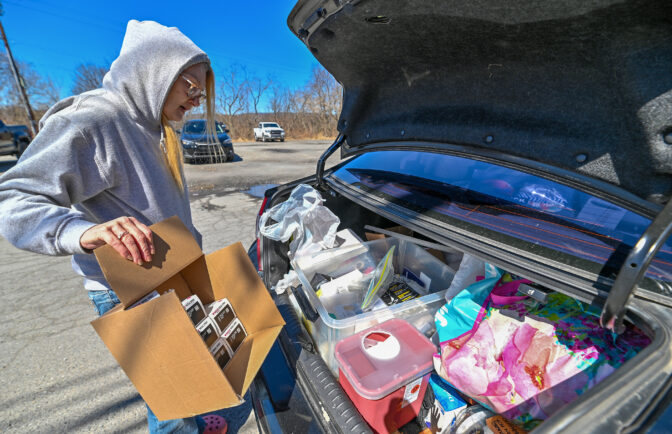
198	146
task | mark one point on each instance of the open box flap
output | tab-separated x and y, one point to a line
175	249
233	276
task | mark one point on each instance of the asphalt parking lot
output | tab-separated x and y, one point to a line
55	373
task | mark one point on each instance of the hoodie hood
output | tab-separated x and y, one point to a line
151	58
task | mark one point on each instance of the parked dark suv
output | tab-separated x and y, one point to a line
534	136
198	146
14	139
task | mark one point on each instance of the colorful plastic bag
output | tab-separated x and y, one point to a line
522	358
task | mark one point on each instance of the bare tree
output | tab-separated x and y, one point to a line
325	99
41	91
233	95
257	87
88	77
279	100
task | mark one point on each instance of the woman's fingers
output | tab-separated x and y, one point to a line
133	238
130	238
148	240
111	237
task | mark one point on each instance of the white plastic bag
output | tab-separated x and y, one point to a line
303	218
289	280
470	268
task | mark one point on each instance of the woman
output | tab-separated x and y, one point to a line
107	164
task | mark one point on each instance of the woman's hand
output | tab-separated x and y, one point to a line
130	238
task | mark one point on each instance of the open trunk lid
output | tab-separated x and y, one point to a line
584	87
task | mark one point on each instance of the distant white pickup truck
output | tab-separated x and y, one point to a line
266	131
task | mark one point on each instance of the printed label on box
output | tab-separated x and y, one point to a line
206	328
194	308
222	314
235	334
411	392
221	352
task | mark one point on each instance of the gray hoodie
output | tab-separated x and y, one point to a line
98	155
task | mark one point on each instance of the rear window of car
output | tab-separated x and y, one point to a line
194	127
533	214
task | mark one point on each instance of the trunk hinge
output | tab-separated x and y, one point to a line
633	270
323	159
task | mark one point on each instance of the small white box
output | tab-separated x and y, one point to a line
341	284
221	313
208	331
234	334
194	308
346	237
145	299
221	352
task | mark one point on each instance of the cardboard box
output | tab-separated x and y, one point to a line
156	343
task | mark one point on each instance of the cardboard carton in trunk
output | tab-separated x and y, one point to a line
156	343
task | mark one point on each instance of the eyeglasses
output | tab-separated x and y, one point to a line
194	90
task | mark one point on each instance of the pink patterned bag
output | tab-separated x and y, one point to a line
522	358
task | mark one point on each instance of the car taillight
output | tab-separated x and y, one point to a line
258	233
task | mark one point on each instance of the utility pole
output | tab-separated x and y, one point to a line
19	81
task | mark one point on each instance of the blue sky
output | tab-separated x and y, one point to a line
55	36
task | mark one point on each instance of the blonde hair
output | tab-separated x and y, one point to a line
173	147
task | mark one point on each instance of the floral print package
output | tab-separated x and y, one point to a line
523	358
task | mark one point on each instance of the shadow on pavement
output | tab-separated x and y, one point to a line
104	413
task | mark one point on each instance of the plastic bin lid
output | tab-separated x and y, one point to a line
379	360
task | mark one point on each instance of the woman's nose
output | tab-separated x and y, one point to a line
195	101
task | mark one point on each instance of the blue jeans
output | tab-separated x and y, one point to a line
106	300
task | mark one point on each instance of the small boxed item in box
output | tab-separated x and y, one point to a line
152	295
208	331
221	352
194	308
234	334
221	313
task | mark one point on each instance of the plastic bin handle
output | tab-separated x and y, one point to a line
308	310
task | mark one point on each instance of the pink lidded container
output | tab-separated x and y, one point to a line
385	371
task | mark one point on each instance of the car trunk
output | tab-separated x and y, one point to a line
637	381
573	92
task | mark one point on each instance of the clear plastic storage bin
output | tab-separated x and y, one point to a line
330	319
